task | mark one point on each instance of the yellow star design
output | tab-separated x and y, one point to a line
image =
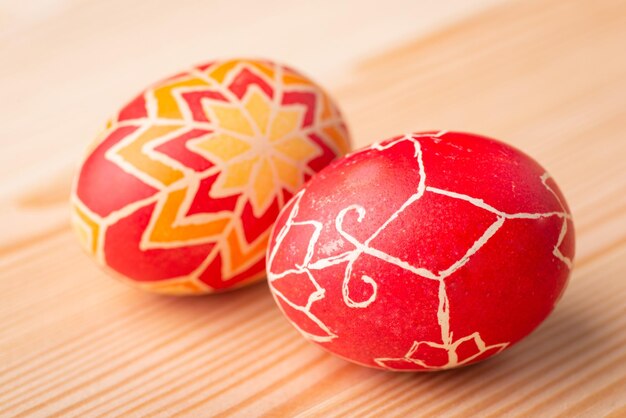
260	149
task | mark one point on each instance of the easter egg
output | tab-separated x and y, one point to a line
422	252
179	193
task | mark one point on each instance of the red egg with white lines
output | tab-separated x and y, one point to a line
422	252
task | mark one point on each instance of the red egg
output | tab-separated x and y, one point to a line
422	252
179	193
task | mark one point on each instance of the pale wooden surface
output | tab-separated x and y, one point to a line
545	75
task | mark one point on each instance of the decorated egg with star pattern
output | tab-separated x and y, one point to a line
422	252
179	193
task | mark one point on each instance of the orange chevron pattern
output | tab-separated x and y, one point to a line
180	191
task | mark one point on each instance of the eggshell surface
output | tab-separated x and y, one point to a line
422	252
179	193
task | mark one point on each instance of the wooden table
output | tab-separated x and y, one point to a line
548	76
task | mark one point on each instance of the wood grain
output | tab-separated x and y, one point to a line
545	75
